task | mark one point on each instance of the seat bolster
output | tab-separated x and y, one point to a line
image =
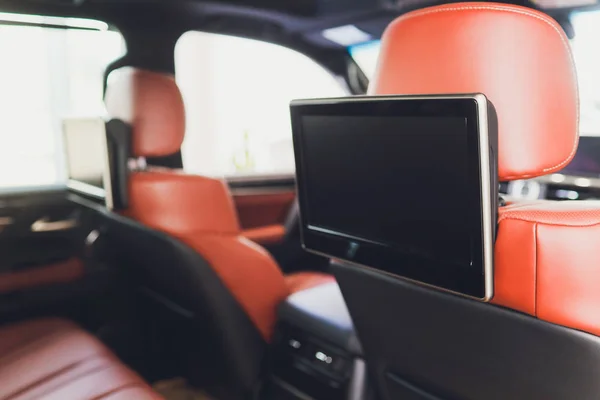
546	262
248	271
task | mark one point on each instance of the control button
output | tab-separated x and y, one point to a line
319	355
294	344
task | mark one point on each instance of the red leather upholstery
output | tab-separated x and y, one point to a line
181	204
546	252
152	104
197	210
54	359
60	272
518	57
266	234
546	262
258	210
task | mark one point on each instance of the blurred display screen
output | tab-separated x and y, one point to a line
587	159
86	153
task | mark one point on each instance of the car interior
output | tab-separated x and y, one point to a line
179	220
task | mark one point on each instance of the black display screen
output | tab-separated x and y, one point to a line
587	159
394	185
400	185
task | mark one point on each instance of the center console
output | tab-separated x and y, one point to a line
315	352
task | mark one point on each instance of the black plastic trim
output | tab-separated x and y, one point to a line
458	348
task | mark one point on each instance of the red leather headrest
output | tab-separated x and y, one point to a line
518	57
181	204
152	104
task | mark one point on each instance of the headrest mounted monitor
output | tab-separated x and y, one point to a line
403	184
88	163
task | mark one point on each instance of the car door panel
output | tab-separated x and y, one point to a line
22	243
41	243
263	205
259	209
66	271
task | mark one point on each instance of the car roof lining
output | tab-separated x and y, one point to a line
299	20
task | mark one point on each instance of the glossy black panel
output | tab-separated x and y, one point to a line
447	347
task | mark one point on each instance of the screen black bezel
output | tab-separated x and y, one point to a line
470	281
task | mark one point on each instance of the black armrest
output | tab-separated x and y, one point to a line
322	312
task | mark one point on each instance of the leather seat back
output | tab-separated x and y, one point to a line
183	239
527	343
201	325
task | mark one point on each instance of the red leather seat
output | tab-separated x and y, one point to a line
545	251
195	209
185	243
54	359
527	344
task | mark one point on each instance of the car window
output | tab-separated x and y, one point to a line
46	75
237	93
585	51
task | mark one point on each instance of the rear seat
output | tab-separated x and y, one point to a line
55	359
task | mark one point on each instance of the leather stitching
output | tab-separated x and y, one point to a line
539	17
110	393
56	374
591	223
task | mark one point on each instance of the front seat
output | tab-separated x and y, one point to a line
229	278
539	337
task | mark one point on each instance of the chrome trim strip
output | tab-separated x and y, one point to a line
45	225
486	206
357	389
335	100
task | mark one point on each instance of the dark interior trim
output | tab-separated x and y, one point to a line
455	348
